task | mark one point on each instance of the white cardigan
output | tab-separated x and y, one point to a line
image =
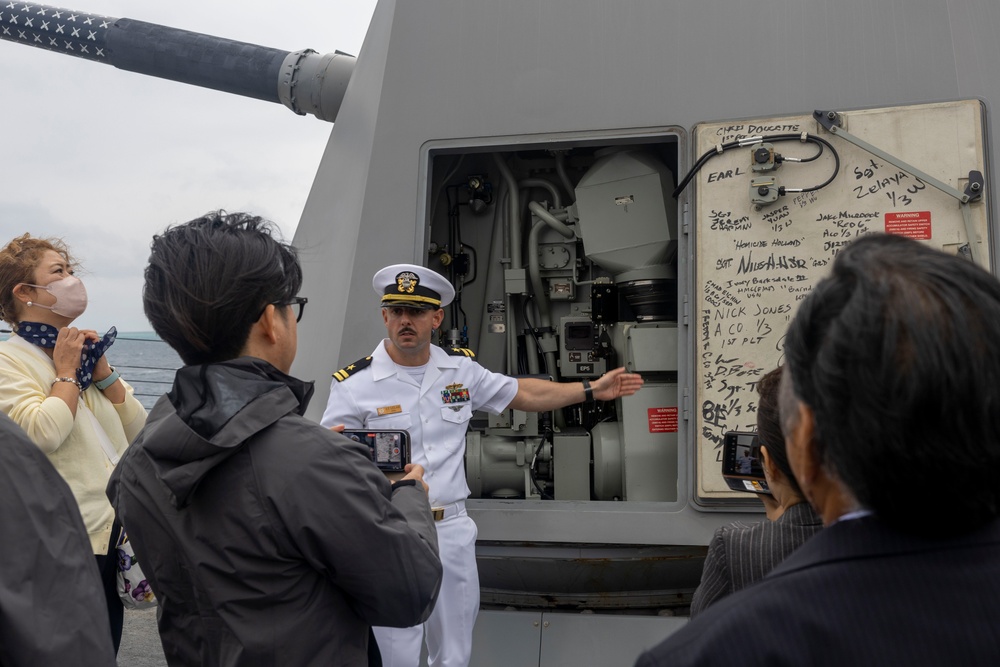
72	444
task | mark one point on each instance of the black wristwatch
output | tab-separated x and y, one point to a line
403	482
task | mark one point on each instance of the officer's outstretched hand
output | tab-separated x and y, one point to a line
616	383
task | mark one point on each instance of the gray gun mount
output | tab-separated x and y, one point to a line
304	81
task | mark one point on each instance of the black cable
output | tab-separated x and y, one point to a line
465	320
718	150
534	336
453	244
458	239
836	167
742	143
488	190
531	471
522	356
437	195
475	264
818	153
545	422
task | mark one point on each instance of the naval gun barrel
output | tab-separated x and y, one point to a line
304	81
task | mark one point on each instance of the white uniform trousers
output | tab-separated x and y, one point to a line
449	628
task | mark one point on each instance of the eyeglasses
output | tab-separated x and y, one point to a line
298	301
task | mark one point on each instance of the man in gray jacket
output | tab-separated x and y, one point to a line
267	539
52	606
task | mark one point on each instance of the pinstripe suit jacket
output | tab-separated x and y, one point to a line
741	553
857	593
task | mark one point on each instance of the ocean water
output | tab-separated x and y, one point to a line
146	363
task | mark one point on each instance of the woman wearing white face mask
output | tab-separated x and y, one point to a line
57	385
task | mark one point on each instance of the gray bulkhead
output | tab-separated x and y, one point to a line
438	79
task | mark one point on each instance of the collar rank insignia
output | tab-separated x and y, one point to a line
455	393
406	282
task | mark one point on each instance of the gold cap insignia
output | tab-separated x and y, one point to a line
407	282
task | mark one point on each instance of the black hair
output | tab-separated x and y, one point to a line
895	353
209	280
769	425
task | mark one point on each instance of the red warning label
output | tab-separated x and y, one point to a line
663	420
914	224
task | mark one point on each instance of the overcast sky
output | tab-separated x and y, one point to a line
105	158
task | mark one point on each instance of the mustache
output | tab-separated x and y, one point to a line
407	331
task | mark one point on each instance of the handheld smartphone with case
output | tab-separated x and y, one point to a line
389	449
742	465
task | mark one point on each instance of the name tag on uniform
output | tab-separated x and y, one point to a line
390	410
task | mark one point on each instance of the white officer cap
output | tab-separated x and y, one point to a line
412	286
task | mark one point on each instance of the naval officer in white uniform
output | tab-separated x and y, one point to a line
409	383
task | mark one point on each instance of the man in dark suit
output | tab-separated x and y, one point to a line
890	406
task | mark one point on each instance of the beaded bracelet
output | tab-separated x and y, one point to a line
73	380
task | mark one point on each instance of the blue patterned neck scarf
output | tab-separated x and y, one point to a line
44	335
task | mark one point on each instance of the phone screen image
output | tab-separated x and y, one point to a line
742	464
389	449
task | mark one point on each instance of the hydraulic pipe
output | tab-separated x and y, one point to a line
545	219
551	220
542	183
514	207
492	348
563	176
